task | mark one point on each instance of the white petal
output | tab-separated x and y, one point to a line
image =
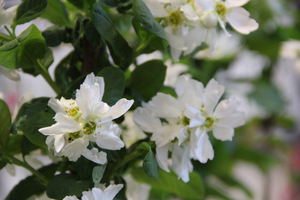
157	9
166	134
183	135
212	38
88	195
146	120
226	107
223	26
65	124
189	91
11	74
108	139
205	149
235	3
234	120
240	21
181	162
117	110
189	12
75	149
91	80
59	142
95	156
110	192
195	116
165	106
223	133
194	38
70	198
212	94
162	157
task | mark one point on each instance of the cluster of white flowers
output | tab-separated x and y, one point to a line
6	16
97	194
189	23
83	120
181	125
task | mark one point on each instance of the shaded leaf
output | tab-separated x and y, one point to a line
5	121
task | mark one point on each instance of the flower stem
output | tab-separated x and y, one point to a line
10	33
5	37
44	72
20	163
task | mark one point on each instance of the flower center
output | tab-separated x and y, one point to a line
185	121
175	18
74	136
89	128
209	123
221	9
73	112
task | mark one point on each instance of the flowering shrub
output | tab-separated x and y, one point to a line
144	105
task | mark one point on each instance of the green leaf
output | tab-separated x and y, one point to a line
32	116
84	168
145	18
31	185
20	52
114	80
14	144
214	192
97	174
63	185
29	10
268	96
168	182
55	35
150	164
5	121
57	14
119	48
147	79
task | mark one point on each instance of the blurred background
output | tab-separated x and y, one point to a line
261	69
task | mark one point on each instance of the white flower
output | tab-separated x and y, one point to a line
83	120
6	16
97	194
181	125
136	190
11	74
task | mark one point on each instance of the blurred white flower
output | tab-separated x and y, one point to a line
83	120
97	194
180	125
6	16
131	132
11	74
136	190
188	24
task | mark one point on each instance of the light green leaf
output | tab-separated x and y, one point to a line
21	52
29	10
168	182
5	121
57	14
97	174
150	164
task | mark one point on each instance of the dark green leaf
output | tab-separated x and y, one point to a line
27	147
32	116
21	52
148	78
5	121
114	80
150	164
120	50
145	18
31	185
98	172
63	185
84	168
55	35
57	14
29	10
168	182
14	144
